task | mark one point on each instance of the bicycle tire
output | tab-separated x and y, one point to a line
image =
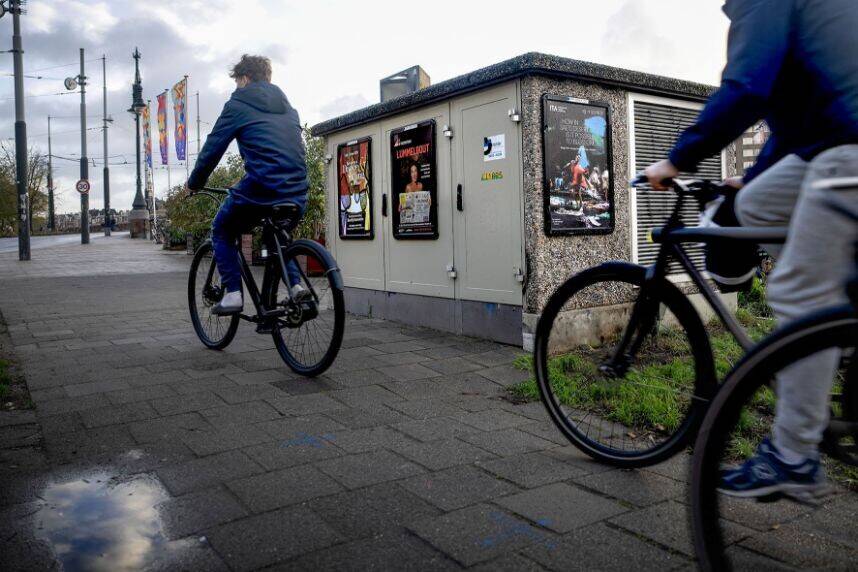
333	297
837	327
705	383
228	332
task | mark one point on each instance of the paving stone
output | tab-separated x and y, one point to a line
300	428
600	547
269	538
359	378
80	389
435	428
531	469
437	455
403	358
62	423
744	559
491	419
757	515
20	436
242	394
289	453
117	414
23	460
505	375
369	395
268	491
306	385
426	408
453	365
366	416
547	431
441	353
409	372
403	346
194	512
224	438
390	552
70	404
140	394
173	427
355	471
91	445
369	439
639	488
257	377
678	467
457	487
561	507
479	534
192	402
804	548
209	385
373	510
240	413
207	472
668	524
573	456
491	358
508	563
508	442
306	404
420	389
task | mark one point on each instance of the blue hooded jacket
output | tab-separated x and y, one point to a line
793	63
269	139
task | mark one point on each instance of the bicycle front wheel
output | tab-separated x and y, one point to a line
645	410
204	291
727	532
308	337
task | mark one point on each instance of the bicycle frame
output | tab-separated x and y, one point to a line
671	237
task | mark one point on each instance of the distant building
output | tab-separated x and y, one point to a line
749	146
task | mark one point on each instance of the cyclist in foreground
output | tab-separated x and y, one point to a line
792	63
268	133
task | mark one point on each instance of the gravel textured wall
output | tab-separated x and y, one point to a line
551	259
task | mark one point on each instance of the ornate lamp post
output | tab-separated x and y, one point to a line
139	212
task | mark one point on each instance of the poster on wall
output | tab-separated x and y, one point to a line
354	169
414	182
579	182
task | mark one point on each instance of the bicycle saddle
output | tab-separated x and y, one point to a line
285	210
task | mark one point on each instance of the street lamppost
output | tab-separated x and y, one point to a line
139	213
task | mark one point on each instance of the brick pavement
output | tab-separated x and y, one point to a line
405	455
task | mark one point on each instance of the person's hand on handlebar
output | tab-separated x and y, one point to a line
660	173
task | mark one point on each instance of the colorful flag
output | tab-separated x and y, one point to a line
147	137
180	104
162	127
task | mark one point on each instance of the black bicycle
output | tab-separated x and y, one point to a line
635	398
307	328
742	413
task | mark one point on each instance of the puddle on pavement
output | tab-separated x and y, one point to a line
100	522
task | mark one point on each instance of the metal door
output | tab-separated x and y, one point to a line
488	198
422	266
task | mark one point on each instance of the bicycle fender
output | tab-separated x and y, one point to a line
327	257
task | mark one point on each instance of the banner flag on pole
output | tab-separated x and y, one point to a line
147	137
162	127
180	105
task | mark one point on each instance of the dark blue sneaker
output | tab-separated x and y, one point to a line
766	474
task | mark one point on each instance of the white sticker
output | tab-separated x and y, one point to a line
494	147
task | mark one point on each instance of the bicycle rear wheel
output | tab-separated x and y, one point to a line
308	337
204	291
740	416
644	412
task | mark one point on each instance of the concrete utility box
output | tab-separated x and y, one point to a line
445	213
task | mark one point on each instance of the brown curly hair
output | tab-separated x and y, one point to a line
255	68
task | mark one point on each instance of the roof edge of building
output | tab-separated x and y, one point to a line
532	63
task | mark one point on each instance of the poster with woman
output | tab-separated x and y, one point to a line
578	179
354	171
414	182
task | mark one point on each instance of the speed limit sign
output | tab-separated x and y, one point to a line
82	186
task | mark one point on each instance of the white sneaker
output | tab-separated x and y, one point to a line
298	294
231	303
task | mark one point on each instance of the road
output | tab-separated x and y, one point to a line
38	242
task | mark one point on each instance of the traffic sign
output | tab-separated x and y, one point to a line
82	186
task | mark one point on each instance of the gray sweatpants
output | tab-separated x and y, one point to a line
810	273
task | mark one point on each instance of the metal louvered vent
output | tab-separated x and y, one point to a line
657	127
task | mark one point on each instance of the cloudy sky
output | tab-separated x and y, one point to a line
328	56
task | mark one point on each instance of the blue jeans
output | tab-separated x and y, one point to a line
231	221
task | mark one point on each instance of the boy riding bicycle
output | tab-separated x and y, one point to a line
793	63
258	116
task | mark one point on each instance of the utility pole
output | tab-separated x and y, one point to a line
51	223
20	132
106	175
198	124
84	165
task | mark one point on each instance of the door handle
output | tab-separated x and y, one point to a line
384	204
459	205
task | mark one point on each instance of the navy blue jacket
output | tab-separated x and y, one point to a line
793	63
269	139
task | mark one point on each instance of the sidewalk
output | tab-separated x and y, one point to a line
404	456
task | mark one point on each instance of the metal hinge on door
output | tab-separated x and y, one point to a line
451	271
514	115
519	275
448	132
